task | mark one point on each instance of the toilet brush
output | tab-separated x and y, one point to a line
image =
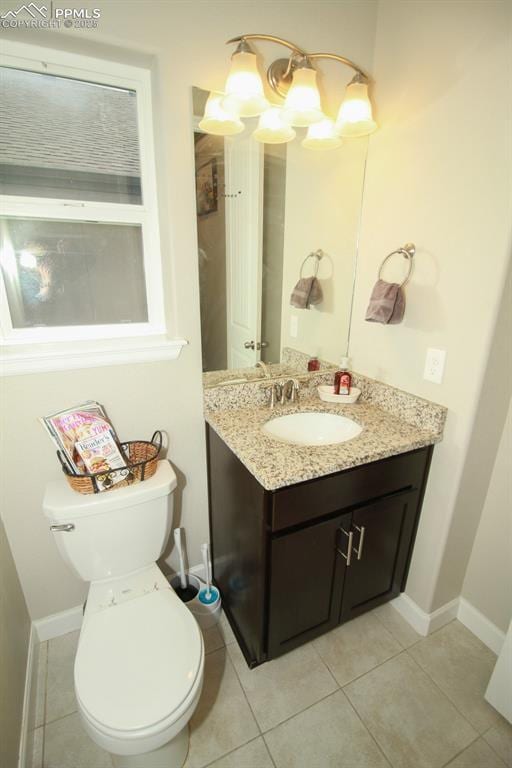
184	590
208	595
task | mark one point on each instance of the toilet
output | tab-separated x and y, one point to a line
140	659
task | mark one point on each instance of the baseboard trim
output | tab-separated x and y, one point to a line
59	623
424	623
481	626
25	718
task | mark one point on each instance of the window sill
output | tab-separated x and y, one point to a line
43	358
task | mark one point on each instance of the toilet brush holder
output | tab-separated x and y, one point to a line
191	592
206	613
206	608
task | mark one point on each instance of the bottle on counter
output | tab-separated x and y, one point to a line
313	364
343	378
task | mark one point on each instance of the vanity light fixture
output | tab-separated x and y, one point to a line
294	80
302	105
273	127
244	87
219	121
355	115
322	135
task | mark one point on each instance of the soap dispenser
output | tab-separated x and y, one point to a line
342	378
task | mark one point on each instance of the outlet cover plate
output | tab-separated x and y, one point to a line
434	365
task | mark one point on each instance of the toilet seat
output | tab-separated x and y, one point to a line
138	669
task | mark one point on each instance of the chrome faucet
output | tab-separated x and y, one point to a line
281	391
264	368
290	391
276	394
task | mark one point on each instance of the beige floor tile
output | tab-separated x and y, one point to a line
252	755
500	739
461	666
34	749
478	755
415	724
356	647
327	735
66	745
283	687
398	626
213	639
225	630
38	688
223	720
60	691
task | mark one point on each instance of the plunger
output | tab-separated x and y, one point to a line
184	590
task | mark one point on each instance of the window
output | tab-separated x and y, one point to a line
79	240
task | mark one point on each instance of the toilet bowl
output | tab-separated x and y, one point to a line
139	664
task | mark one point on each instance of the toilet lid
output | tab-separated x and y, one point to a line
138	661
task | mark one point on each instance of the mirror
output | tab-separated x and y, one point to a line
267	216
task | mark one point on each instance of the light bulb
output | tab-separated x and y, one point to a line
355	115
322	135
272	128
302	104
244	88
217	120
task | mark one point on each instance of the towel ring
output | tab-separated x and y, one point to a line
319	254
408	251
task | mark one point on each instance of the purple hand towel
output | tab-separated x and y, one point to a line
307	291
387	303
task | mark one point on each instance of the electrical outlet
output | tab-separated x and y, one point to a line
434	365
294	326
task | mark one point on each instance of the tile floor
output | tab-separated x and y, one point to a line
370	694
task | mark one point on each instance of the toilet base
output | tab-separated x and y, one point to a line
170	755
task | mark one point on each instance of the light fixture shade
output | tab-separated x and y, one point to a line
272	128
322	135
244	88
302	104
355	115
217	120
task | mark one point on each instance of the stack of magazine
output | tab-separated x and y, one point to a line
88	443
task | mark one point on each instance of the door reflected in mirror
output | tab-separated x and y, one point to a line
277	228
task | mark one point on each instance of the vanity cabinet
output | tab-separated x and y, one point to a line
296	562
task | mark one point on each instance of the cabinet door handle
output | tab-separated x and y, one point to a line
359	550
348	556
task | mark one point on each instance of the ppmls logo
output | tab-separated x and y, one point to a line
31	15
31	9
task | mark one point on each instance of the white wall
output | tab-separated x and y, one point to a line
439	174
186	42
489	573
14	647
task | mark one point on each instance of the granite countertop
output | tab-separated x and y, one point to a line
276	464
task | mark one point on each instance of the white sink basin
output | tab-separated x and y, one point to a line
312	428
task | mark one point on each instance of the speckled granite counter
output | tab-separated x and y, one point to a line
276	464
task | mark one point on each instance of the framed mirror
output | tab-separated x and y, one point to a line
277	228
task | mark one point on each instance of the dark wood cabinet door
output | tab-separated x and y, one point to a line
306	583
381	538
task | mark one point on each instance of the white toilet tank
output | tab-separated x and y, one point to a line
109	534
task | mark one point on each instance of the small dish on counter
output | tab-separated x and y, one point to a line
326	393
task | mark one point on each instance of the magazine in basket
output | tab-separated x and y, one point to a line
87	442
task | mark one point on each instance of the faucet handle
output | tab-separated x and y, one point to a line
276	392
294	395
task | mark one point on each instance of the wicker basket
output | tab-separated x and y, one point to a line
142	464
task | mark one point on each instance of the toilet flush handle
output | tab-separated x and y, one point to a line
64	527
